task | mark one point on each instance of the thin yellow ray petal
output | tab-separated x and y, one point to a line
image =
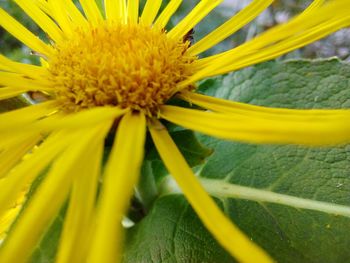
314	131
121	175
314	5
150	11
41	19
87	118
228	235
74	13
24	35
303	21
7	219
31	71
91	11
78	221
46	201
133	11
18	118
25	172
43	5
6	93
286	46
9	140
167	13
116	10
56	120
58	9
231	26
234	107
193	18
15	80
10	157
303	29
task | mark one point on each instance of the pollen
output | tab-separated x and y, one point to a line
128	66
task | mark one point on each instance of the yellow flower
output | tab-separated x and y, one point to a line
115	73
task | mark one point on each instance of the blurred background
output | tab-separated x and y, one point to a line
279	12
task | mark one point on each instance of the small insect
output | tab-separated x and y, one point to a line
189	37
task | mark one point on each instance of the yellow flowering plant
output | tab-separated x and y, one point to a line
120	73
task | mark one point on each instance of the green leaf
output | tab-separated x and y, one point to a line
293	201
289	233
172	233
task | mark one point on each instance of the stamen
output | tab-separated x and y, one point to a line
130	66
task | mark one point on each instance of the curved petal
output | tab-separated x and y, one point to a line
315	130
15	80
59	12
46	201
91	11
203	8
76	233
16	29
238	21
18	118
11	156
228	235
150	11
121	175
31	71
167	13
300	31
249	110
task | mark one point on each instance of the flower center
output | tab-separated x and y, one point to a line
130	66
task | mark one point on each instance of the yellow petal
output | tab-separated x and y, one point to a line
92	11
76	233
26	171
58	10
133	10
121	175
227	234
45	119
19	118
24	35
150	11
46	201
298	32
25	69
288	45
315	130
116	10
315	4
41	19
231	26
167	13
11	156
249	110
7	218
6	93
193	18
74	13
15	80
86	118
43	5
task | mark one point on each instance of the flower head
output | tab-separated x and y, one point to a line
120	69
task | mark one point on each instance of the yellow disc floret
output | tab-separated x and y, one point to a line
130	66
